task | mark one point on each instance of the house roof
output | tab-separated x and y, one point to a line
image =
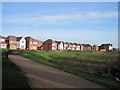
58	42
80	44
29	38
95	45
11	38
49	41
2	37
65	42
19	38
86	45
108	44
71	43
75	44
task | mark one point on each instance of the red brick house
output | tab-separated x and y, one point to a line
95	48
49	45
70	46
11	42
39	45
3	43
33	44
73	46
77	46
86	46
65	46
105	47
29	41
81	46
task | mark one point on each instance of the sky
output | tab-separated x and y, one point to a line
80	22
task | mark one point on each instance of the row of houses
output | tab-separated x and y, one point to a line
29	43
22	43
60	45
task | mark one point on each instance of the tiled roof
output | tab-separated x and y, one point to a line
59	42
75	44
86	45
29	38
2	37
106	44
11	38
71	43
19	38
95	46
49	41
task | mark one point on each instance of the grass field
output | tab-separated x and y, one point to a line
12	77
99	67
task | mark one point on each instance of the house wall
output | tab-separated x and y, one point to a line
78	48
12	47
54	46
95	48
102	50
3	45
2	40
11	44
65	46
74	47
70	47
110	47
34	45
27	45
21	44
81	47
60	46
30	45
86	48
47	46
107	47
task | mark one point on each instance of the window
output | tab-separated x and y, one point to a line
34	42
34	47
30	42
22	46
3	46
2	40
54	44
11	41
54	48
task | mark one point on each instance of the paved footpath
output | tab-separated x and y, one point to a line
42	76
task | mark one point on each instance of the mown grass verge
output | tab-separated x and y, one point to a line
99	67
12	76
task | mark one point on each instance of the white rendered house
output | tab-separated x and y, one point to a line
61	46
21	43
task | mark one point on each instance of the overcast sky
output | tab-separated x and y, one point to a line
80	22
